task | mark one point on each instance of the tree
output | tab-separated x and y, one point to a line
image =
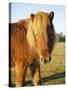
61	37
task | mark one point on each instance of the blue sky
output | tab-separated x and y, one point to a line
22	11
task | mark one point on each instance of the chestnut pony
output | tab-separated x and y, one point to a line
30	41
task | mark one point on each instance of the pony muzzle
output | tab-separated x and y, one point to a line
45	60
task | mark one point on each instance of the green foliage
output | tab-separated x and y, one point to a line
60	37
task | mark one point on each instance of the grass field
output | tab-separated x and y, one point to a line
54	72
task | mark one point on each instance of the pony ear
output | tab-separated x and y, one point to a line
51	15
32	16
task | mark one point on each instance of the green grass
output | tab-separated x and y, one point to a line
54	72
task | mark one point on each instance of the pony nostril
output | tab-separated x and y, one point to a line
41	57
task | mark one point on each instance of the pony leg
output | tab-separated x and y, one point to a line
20	74
35	70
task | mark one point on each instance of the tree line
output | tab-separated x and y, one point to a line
60	37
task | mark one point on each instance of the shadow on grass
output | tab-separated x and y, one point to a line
46	79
